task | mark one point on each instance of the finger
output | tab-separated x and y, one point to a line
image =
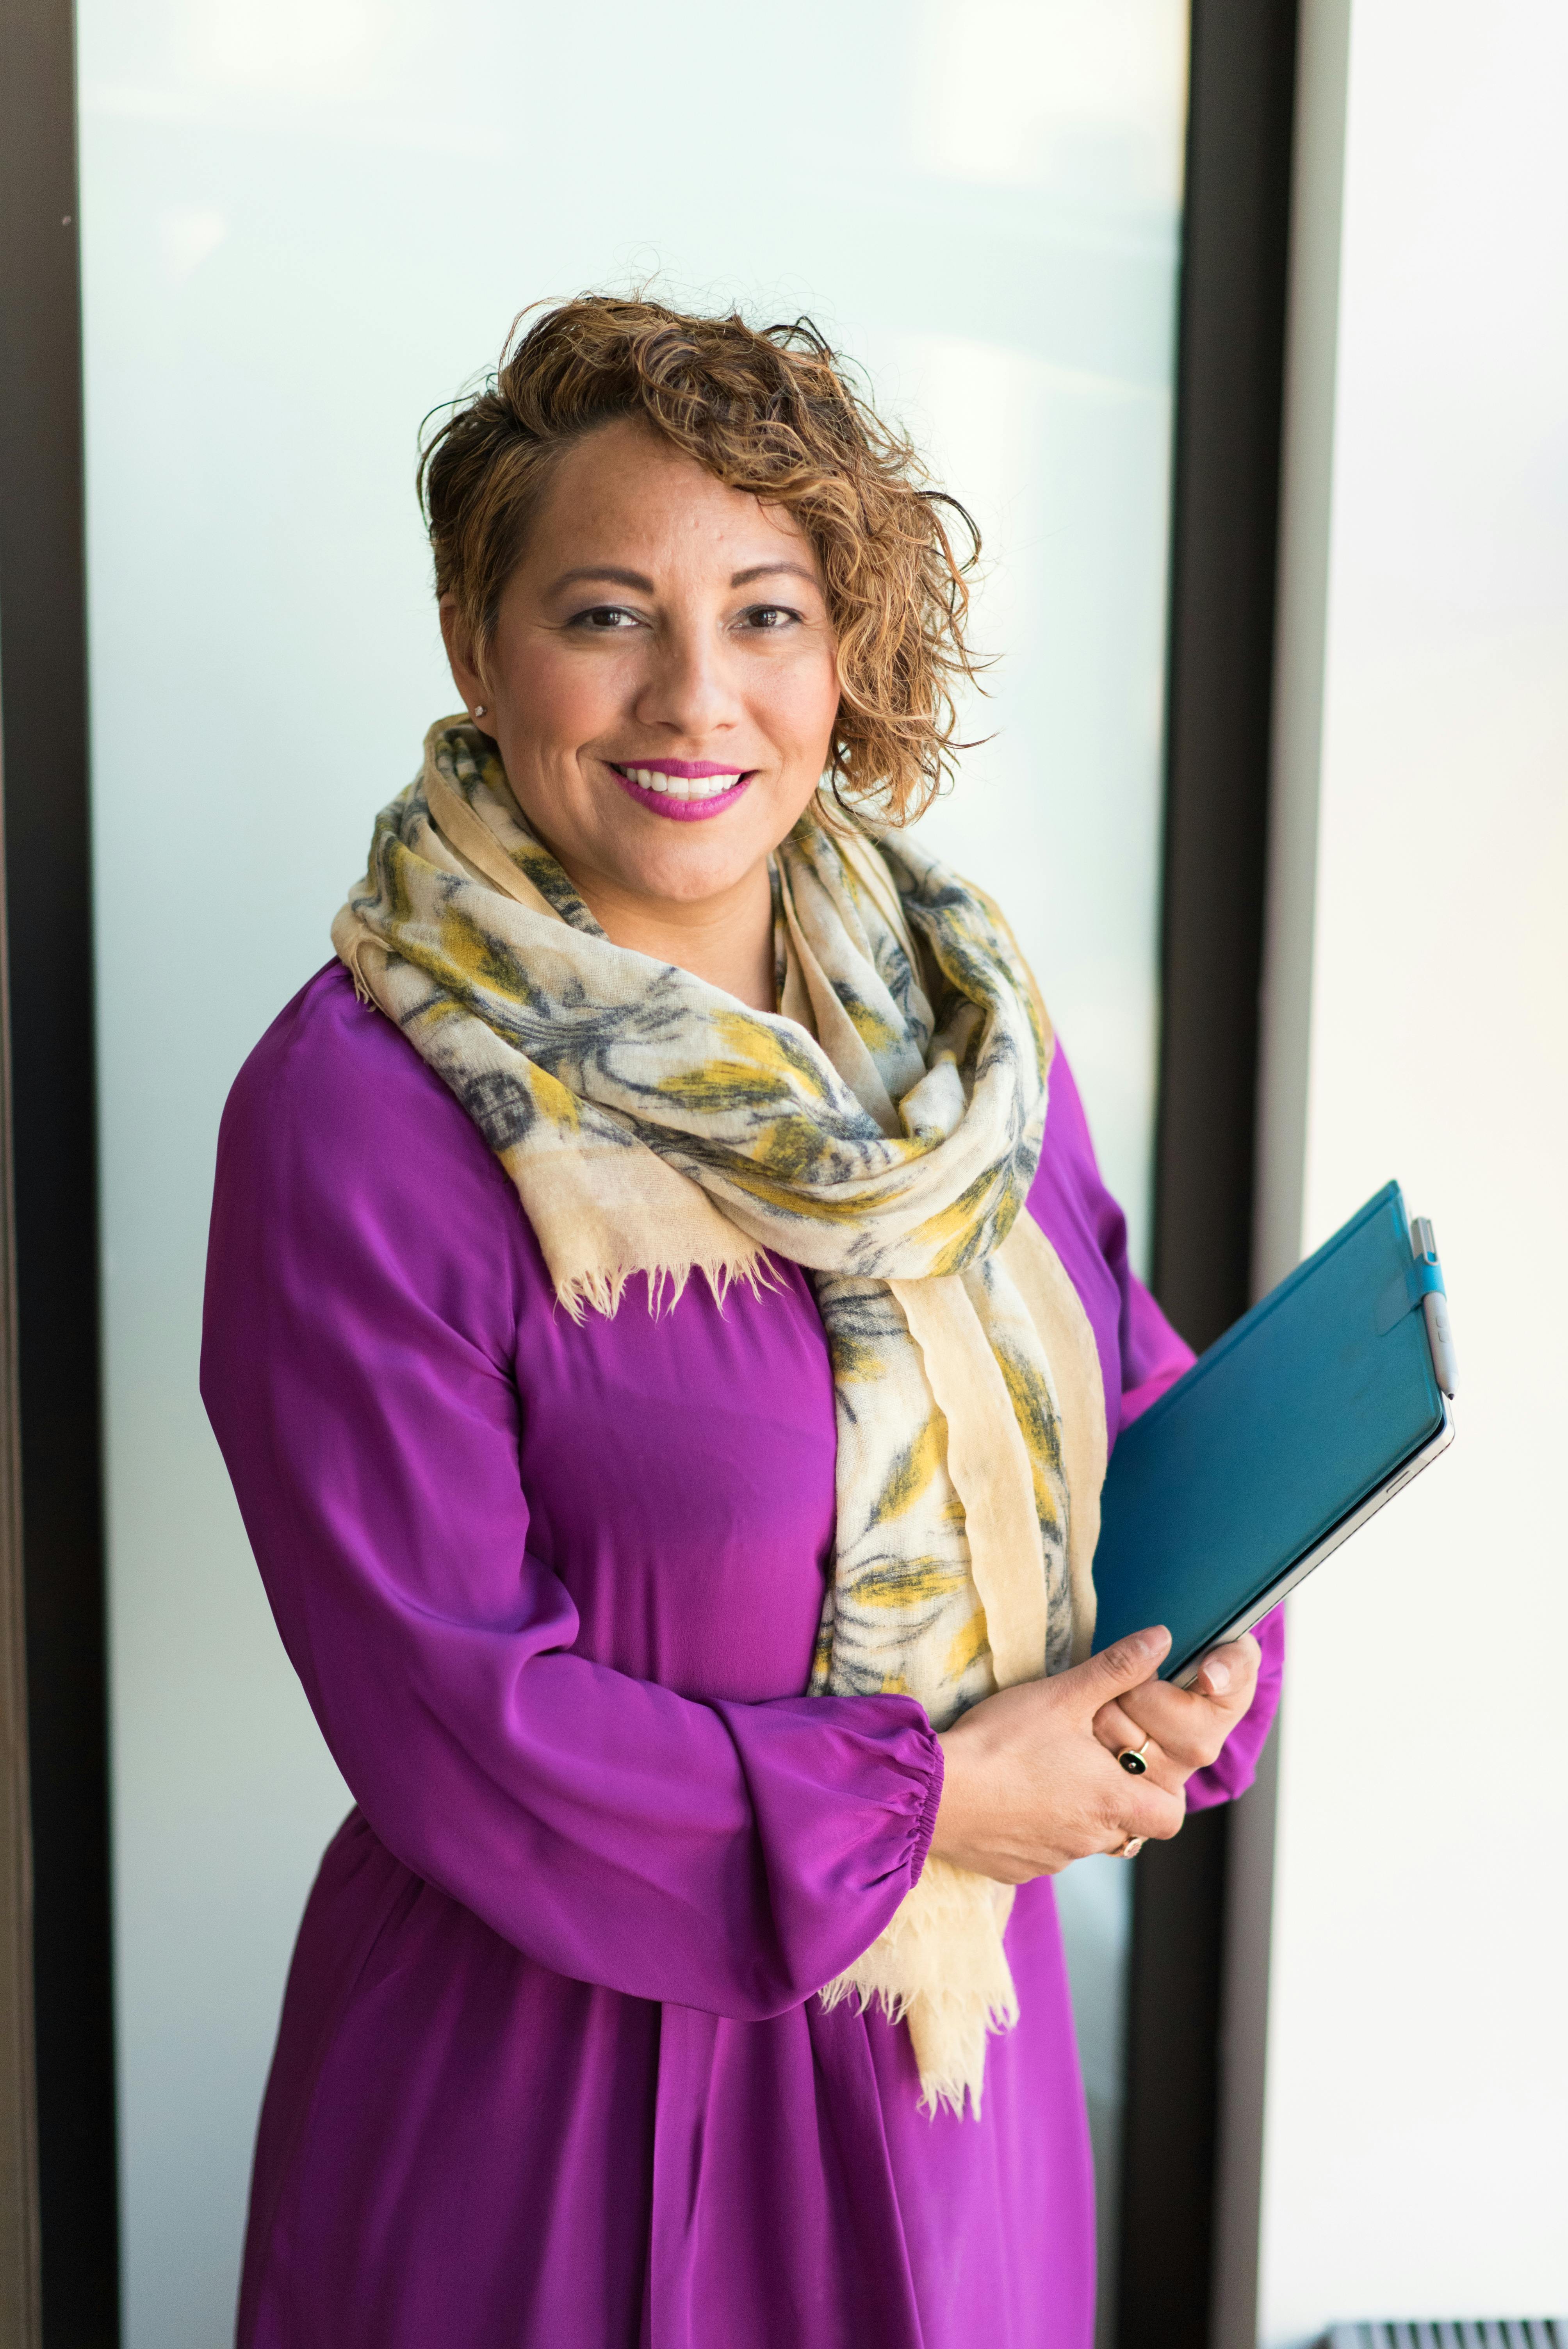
1151	1812
1117	1668
1229	1673
1179	1717
1119	1736
1116	1728
1190	1728
1119	1733
1190	1725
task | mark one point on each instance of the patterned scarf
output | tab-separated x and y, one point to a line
881	1130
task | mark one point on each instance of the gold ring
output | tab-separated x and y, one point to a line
1134	1759
1130	1849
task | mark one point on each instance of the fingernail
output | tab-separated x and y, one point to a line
1219	1675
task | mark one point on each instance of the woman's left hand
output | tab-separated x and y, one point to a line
1186	1727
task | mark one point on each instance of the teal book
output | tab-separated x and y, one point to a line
1316	1408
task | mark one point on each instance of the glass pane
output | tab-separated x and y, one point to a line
306	222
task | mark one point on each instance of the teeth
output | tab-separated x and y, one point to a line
682	787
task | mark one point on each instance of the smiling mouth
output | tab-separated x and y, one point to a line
683	788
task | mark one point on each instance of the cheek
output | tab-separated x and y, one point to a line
559	697
802	704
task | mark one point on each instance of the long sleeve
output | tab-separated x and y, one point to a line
358	1371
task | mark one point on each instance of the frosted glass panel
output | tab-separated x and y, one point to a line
306	222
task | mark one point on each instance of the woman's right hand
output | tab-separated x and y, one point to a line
1027	1787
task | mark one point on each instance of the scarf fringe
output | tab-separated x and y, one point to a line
601	1291
940	1967
350	937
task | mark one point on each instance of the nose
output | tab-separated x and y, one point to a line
688	690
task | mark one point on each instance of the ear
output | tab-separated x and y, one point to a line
462	656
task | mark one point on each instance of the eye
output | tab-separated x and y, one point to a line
769	618
604	619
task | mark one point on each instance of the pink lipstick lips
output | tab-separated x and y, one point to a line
686	790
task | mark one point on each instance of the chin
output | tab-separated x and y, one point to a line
684	861
686	873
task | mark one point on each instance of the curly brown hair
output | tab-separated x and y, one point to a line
768	410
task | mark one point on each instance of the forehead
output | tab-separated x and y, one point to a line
626	488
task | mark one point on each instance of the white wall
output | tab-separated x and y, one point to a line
306	222
1416	2122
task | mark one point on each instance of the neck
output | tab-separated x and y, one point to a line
727	940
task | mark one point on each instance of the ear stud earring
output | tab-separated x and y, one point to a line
479	708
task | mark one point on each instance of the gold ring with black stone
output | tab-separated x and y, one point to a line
1134	1759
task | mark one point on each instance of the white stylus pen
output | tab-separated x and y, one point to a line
1435	1309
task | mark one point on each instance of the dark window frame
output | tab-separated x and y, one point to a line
54	1416
1219	726
1224	548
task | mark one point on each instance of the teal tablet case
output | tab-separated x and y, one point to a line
1309	1406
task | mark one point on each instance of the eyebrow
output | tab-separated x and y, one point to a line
772	571
645	586
604	571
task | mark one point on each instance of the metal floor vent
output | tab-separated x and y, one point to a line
1500	2333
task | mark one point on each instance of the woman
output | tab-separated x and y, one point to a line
666	1352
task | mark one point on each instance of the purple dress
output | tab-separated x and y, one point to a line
550	2073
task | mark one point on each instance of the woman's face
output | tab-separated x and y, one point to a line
662	685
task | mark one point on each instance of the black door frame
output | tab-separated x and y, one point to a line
1224	533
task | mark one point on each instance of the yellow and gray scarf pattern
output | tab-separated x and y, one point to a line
881	1130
